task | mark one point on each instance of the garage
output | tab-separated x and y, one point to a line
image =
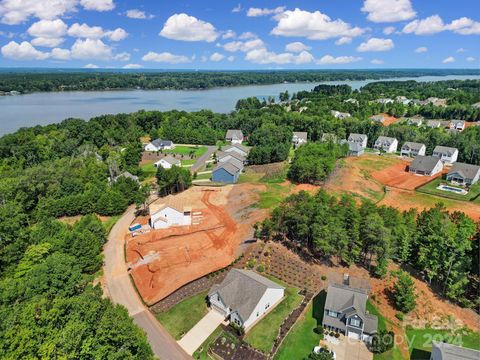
353	335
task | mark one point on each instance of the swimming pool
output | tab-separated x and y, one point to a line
452	189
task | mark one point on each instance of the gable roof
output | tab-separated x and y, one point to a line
233	154
357	137
300	135
385	140
228	167
171	160
467	171
445	150
342	297
444	351
241	290
161	143
424	163
412	145
170	201
238	146
234	134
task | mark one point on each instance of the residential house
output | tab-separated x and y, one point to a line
425	165
234	136
444	351
464	174
236	159
169	211
355	148
167	162
299	138
125	175
403	99
436	101
434	124
413	149
458	125
244	297
351	101
378	118
239	149
448	155
387	144
358	138
329	137
340	115
476	105
416	120
345	312
226	172
159	144
384	101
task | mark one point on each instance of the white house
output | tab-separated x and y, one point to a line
159	144
234	136
340	115
167	162
244	297
447	154
169	211
464	174
413	149
359	139
445	351
425	165
299	138
458	125
239	149
434	124
387	144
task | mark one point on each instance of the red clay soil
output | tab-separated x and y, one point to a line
389	120
164	260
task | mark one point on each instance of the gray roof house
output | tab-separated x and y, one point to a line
245	296
126	175
434	123
457	125
358	138
238	148
159	144
464	174
234	136
355	149
299	138
387	144
447	154
413	149
345	312
416	120
425	165
444	351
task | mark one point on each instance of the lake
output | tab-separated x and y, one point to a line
46	108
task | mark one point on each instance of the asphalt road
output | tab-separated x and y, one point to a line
201	160
121	291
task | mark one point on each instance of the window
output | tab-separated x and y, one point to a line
332	313
258	314
355	322
267	306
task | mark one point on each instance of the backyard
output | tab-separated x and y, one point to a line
196	151
431	188
183	316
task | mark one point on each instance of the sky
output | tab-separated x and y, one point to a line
250	34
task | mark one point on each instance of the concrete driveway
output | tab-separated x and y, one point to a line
201	331
202	159
349	349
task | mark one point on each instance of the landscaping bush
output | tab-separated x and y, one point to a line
323	277
399	316
261	268
382	341
238	329
319	330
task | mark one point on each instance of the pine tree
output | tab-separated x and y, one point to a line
404	292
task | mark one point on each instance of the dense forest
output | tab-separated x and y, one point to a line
442	246
68	80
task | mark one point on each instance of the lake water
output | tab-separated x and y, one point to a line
46	108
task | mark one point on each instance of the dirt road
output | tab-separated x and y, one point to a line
121	291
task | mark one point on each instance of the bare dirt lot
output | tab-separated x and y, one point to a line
163	260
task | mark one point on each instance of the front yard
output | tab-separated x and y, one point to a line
183	316
264	333
431	188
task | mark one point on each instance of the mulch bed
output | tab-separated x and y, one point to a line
230	346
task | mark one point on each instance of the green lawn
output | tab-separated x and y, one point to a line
110	222
431	188
274	194
203	176
185	150
202	351
262	335
187	162
420	341
301	339
183	316
148	170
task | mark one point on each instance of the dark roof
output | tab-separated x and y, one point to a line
234	134
445	150
357	137
233	154
161	143
444	351
412	145
467	171
241	290
424	163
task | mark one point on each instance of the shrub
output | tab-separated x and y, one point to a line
323	277
251	263
399	316
382	341
319	330
337	335
261	268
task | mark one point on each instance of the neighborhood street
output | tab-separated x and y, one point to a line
121	291
202	159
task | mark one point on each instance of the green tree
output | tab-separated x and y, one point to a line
404	292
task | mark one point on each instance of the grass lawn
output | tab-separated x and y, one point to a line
148	170
262	335
185	150
183	316
274	194
301	339
376	162
187	162
203	176
431	188
108	224
420	340
202	351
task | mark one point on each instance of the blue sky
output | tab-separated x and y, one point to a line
253	34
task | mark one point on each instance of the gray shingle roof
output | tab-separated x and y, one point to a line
300	135
238	146
445	150
424	163
233	154
171	160
241	290
467	171
228	167
444	351
385	140
412	146
234	134
161	143
357	137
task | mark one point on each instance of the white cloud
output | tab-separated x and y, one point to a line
165	57
448	60
263	56
382	11
461	50
376	44
389	30
229	34
464	26
313	26
138	14
123	56
343	40
91	49
116	35
188	28
48	29
237	8
22	51
296	47
377	62
96	32
231	58
421	49
470	59
97	5
18	11
244	46
330	60
217	57
47	42
132	66
428	26
91	66
60	54
247	35
254	12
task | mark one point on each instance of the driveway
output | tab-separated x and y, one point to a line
349	349
202	159
201	331
121	291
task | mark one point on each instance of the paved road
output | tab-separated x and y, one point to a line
121	291
201	160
